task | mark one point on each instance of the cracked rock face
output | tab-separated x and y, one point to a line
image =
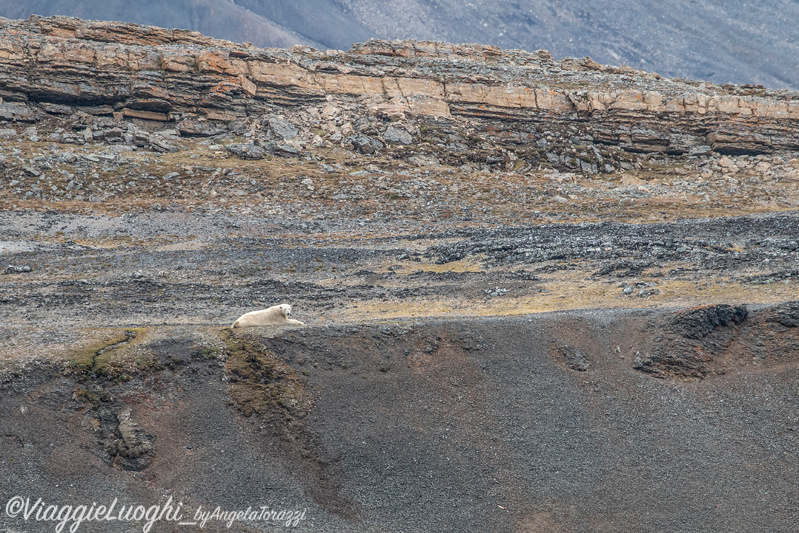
714	339
133	448
699	322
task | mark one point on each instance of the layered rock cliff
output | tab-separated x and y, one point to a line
574	114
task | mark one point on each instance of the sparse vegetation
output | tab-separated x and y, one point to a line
101	358
260	383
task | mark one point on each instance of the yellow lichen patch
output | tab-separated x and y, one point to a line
571	294
470	264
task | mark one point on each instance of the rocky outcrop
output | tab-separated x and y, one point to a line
714	339
572	113
692	341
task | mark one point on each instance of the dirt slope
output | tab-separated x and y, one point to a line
539	423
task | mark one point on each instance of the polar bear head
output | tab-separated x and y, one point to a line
285	309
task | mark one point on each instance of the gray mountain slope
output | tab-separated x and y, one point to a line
215	18
717	40
724	41
318	20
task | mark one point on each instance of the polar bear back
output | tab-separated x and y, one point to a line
274	316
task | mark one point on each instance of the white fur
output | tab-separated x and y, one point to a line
274	316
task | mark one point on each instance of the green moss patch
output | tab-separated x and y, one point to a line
101	357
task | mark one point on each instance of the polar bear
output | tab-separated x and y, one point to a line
277	315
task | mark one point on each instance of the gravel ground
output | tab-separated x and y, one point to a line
403	406
417	425
70	271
